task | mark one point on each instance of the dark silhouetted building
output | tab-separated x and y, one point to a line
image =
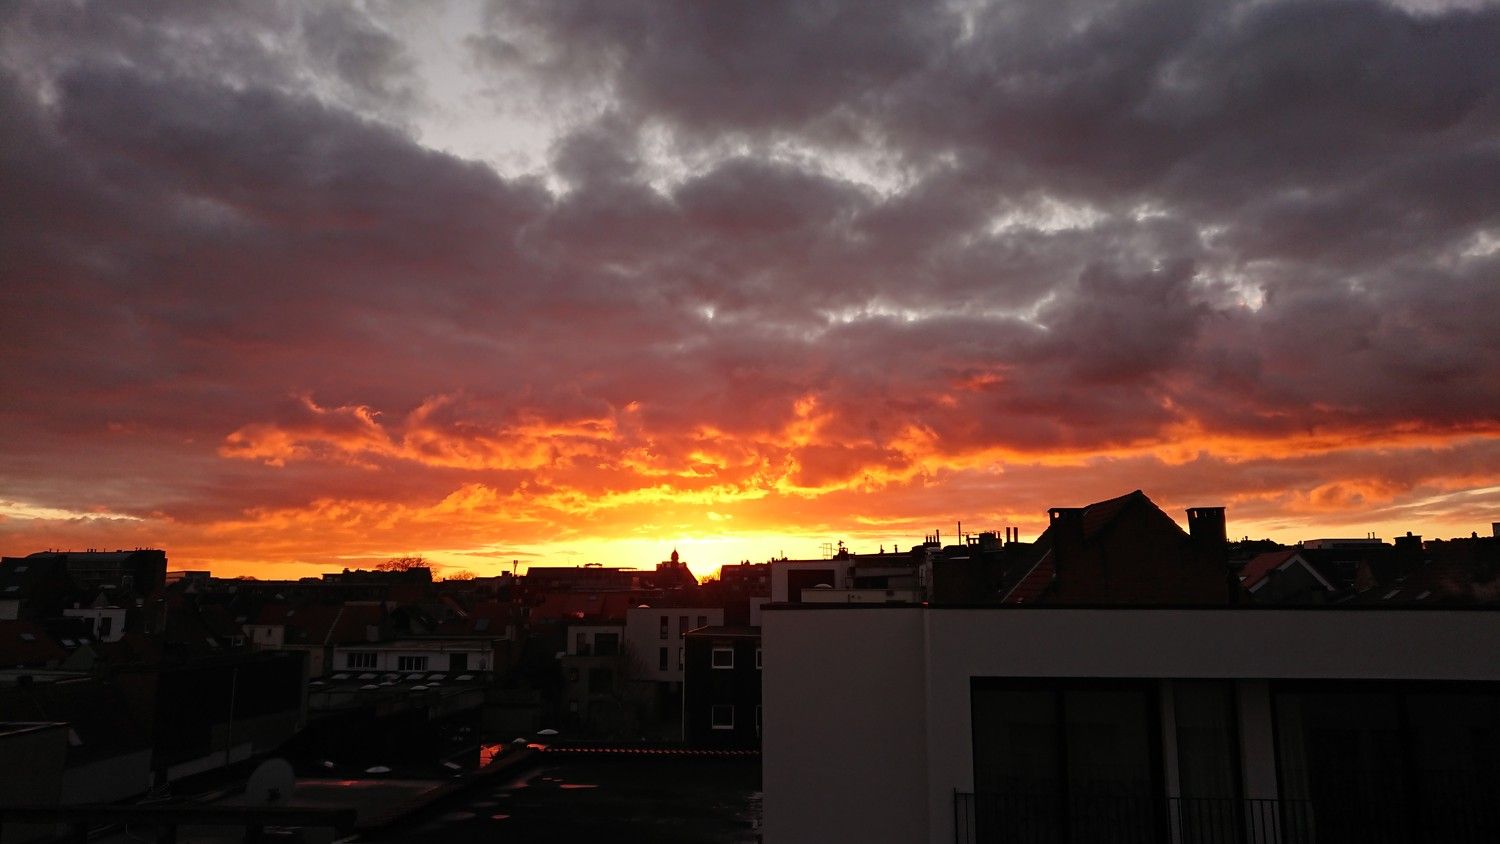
721	693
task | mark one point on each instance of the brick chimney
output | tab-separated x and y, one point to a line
1210	543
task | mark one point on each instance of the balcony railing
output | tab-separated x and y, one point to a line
1051	819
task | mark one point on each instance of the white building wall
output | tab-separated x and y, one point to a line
843	719
388	656
266	636
643	635
842	724
95	617
780	593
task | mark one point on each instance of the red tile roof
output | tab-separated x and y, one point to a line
1263	564
1034	584
572	606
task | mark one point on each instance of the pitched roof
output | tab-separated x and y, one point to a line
1033	583
1100	514
569	606
322	624
741	631
1260	567
23	643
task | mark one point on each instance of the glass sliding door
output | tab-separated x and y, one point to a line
1065	761
1389	762
1017	765
1209	809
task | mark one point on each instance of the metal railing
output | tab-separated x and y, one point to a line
1098	819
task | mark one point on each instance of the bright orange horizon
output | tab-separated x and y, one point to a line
713	499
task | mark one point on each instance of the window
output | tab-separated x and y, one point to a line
663	628
702	621
1390	761
411	663
661	662
681	625
757	659
1208	759
359	659
606	644
721	717
723	658
106	625
581	645
1075	757
573	675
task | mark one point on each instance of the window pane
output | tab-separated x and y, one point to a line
1017	764
606	644
1340	757
1207	760
1109	765
1456	740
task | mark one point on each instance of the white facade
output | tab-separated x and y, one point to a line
266	636
442	655
781	592
654	638
108	622
868	729
862	596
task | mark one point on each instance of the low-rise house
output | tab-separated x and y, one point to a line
655	638
454	655
595	667
722	694
317	631
1126	550
36	587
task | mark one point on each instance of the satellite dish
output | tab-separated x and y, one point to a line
271	784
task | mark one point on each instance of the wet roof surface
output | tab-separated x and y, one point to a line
626	798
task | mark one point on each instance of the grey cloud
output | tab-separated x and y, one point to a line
193	234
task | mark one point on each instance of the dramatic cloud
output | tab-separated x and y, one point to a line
577	280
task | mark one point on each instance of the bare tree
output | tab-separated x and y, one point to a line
402	564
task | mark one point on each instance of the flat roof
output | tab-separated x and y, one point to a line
17	728
1248	607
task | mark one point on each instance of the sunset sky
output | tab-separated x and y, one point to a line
288	289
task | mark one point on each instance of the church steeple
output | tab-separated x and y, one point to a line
674	555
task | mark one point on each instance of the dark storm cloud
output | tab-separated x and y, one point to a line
808	244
